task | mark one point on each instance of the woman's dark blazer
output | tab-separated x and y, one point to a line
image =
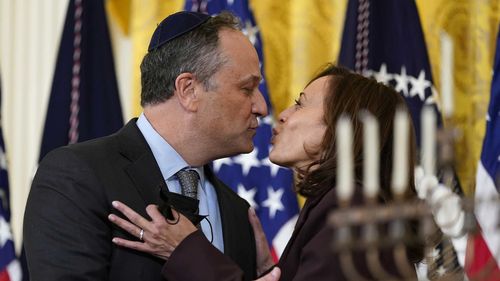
308	255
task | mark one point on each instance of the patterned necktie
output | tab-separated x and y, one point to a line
189	183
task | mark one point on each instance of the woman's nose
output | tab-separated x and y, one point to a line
284	115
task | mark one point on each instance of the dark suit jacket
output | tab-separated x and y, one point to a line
308	255
67	235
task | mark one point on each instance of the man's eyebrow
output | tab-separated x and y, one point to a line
251	78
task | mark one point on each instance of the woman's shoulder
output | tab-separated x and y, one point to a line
320	205
328	199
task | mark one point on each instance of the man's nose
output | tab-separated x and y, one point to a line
259	106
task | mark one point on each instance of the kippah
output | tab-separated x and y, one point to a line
174	26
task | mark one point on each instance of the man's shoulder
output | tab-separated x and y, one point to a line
94	147
127	133
99	149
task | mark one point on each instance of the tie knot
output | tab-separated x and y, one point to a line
189	183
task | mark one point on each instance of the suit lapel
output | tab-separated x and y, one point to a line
143	169
230	223
144	175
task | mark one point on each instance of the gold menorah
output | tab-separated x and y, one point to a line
442	216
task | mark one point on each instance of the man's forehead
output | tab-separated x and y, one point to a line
234	44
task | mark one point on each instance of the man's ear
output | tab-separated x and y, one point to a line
185	91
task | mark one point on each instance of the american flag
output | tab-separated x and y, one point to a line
266	186
10	269
384	40
484	257
84	101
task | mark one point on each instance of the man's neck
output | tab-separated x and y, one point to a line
175	127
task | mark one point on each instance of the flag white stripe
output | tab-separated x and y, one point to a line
14	271
487	210
283	235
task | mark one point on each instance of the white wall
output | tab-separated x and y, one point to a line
30	31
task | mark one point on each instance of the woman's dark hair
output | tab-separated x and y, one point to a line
348	94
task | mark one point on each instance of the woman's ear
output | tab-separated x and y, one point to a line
185	91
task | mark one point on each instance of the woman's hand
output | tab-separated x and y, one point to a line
274	275
159	236
264	258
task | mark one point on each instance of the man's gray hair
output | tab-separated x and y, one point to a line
195	52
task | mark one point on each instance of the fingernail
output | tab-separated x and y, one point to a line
111	217
114	240
114	203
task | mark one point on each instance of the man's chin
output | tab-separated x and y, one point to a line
237	151
248	149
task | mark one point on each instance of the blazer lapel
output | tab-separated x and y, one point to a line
230	223
239	242
147	178
143	169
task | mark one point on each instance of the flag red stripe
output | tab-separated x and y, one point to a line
4	276
273	254
479	262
